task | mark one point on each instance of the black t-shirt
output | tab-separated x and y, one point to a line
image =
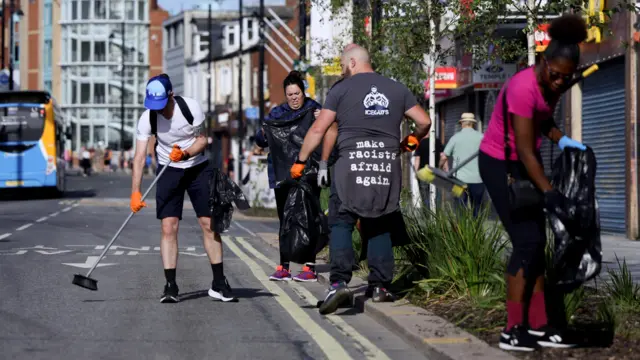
369	110
424	150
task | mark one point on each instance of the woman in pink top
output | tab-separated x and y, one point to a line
531	97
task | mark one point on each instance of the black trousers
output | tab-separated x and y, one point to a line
526	227
281	194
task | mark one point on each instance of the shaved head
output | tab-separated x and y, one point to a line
355	59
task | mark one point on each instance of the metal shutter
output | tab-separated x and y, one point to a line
453	109
603	126
548	150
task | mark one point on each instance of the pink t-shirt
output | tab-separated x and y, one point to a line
524	99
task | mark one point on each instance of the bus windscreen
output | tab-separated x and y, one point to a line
21	123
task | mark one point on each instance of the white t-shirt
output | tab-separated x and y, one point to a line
174	131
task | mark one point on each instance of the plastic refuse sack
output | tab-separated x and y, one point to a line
304	225
223	193
285	138
577	256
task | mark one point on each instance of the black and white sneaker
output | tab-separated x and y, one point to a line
379	294
517	339
170	294
222	291
338	295
552	338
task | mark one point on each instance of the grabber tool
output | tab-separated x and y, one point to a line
84	280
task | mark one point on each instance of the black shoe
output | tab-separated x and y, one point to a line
170	294
221	291
552	338
379	294
518	339
338	294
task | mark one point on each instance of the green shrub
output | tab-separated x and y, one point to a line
463	255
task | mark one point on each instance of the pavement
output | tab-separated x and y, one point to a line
44	242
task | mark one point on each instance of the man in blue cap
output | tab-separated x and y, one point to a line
178	124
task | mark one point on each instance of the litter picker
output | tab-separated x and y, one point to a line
429	174
84	280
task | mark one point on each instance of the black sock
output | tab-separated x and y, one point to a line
170	275
285	265
311	267
218	273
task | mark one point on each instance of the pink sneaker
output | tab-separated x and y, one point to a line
306	275
281	274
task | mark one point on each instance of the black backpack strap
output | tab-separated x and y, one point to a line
184	108
153	121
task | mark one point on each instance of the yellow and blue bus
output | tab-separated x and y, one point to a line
32	141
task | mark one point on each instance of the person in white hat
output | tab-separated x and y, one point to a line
461	146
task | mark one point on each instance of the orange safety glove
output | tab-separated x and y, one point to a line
136	202
177	154
410	143
296	169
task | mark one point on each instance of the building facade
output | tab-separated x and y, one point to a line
104	66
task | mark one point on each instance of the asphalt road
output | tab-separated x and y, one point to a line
43	242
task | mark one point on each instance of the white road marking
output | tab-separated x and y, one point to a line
74	205
132	253
54	214
5	235
367	347
25	226
66	209
88	263
42	219
244	228
19	252
118	252
329	345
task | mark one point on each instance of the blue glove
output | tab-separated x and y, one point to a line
569	142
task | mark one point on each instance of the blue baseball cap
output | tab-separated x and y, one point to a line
158	90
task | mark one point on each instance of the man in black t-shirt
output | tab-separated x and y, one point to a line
368	109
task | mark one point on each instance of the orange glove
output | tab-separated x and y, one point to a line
410	143
136	202
177	154
296	169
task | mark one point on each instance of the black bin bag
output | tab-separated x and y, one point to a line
223	193
577	256
304	225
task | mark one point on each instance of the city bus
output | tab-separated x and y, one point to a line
32	142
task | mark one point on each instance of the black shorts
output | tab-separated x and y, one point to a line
525	227
171	187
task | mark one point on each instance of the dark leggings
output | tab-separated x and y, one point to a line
281	194
526	227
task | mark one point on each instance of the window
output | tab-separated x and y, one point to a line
74	50
16	53
142	10
47	54
85	93
179	37
99	93
74	92
47	85
98	134
231	38
99	9
86	51
249	29
47	14
100	51
74	10
129	10
85	13
115	10
85	133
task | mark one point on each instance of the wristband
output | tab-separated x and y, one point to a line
185	155
298	161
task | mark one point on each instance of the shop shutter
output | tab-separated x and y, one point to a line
548	150
453	109
489	103
603	129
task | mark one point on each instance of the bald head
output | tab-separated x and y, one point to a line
355	59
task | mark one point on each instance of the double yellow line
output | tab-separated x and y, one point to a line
329	345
